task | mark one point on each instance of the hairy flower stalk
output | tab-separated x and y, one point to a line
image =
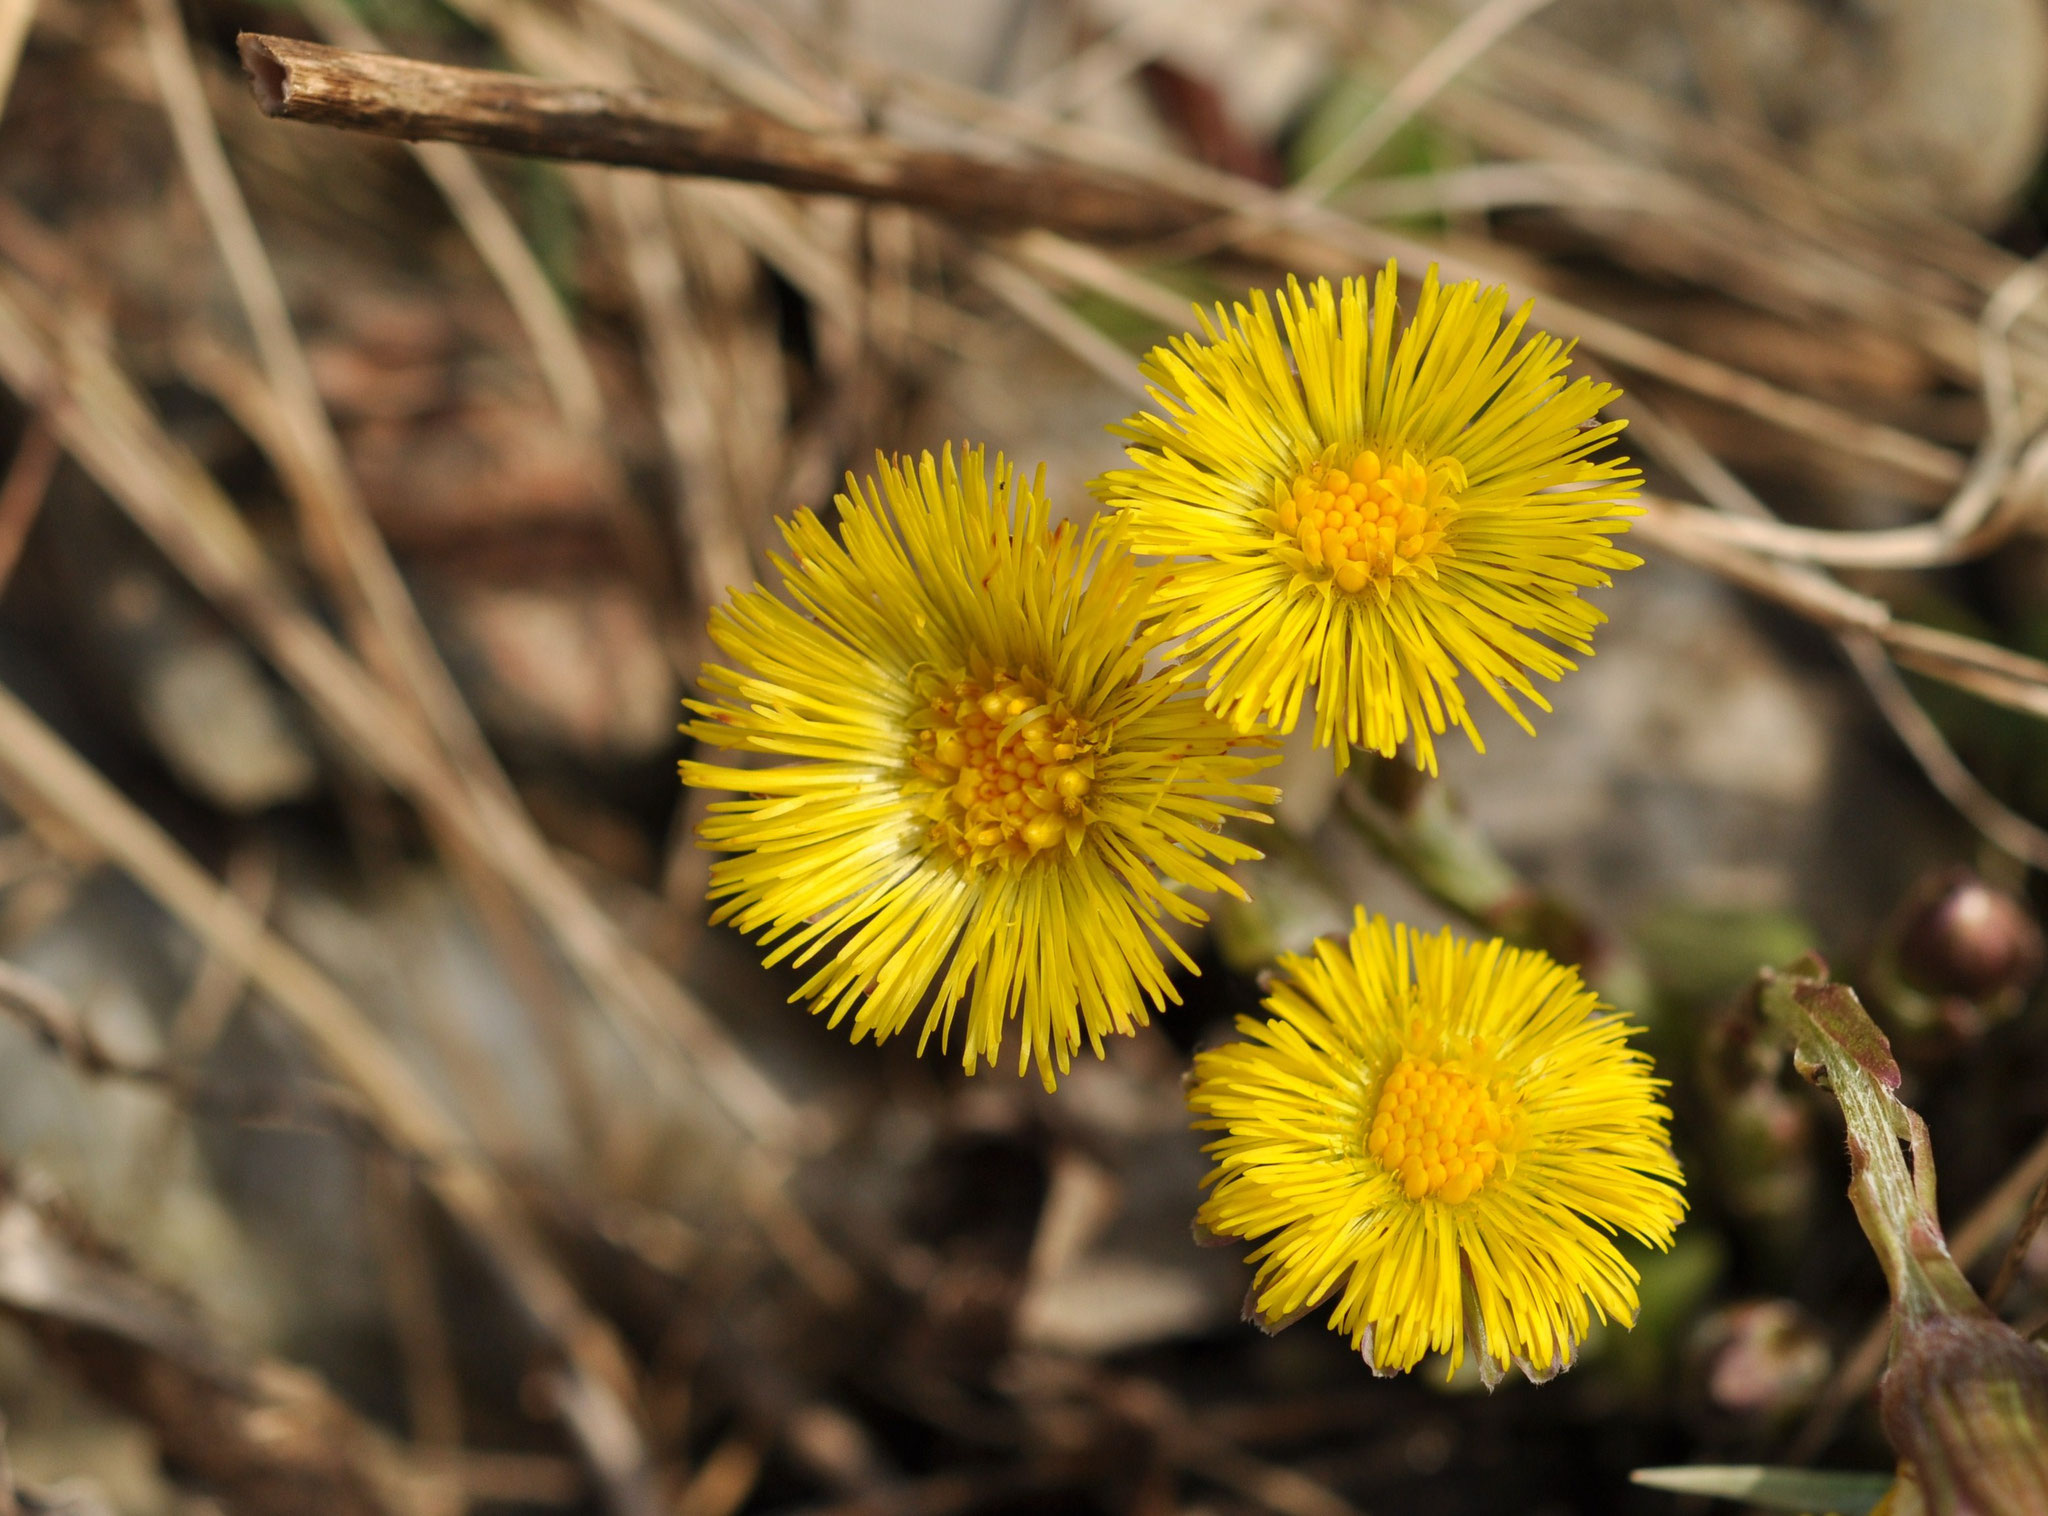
1965	1399
1375	509
993	797
1438	1139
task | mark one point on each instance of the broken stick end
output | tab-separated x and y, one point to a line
268	75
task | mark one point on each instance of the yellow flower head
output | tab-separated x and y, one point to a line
1372	516
991	798
1440	1137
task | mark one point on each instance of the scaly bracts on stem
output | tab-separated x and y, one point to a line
1965	1400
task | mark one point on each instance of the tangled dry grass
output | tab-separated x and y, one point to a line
386	1133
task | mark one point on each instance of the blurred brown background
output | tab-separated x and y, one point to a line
381	1128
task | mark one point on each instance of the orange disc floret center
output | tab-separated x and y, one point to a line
1011	768
1366	521
1436	1130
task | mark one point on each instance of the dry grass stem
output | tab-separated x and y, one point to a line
1461	47
1029	298
341	539
725	1479
219	987
16	18
405	1268
2016	1250
1183	1444
564	366
219	372
1310	238
1997	674
703	505
23	490
1676	447
1090	268
1938	761
670	29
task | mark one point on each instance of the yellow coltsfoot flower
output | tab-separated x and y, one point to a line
1438	1138
1372	516
993	800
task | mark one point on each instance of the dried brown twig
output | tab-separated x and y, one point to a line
399	97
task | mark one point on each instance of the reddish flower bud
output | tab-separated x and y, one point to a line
1965	938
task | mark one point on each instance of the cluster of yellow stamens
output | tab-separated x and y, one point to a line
1369	523
1436	1130
1012	765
